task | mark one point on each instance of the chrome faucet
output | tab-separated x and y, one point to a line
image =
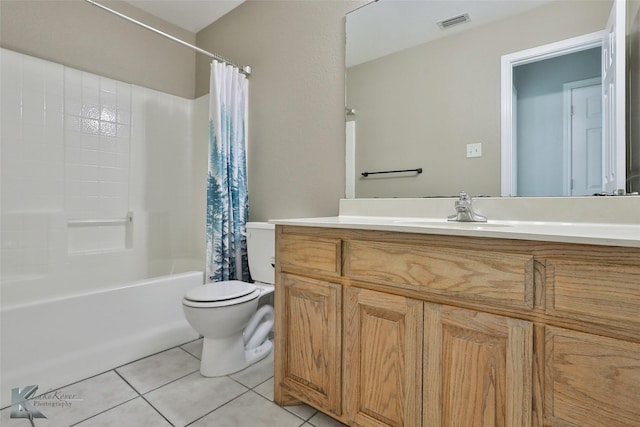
464	211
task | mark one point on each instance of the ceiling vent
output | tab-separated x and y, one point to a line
454	20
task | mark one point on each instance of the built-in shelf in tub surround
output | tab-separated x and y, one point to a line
587	220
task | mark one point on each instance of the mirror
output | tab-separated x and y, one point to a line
424	92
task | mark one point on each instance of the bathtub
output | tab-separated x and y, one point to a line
58	341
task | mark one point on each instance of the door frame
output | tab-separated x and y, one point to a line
563	47
567	93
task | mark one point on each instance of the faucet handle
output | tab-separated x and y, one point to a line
464	211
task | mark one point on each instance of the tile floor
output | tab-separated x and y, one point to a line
166	389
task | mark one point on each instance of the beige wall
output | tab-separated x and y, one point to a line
420	107
296	107
80	35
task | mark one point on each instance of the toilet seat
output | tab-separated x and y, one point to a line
221	294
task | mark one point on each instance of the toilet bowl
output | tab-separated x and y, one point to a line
227	314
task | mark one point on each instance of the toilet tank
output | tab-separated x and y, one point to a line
261	248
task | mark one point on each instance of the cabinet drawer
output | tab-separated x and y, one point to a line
471	274
599	292
304	253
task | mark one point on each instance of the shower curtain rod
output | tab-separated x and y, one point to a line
246	70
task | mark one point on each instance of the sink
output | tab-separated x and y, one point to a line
416	222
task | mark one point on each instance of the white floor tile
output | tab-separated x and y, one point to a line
193	396
136	412
256	373
302	411
175	394
250	409
265	389
160	369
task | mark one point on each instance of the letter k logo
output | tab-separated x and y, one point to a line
20	406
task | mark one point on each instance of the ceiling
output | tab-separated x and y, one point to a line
380	28
191	15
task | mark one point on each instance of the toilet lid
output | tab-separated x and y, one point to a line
220	291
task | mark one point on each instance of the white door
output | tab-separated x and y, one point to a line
613	98
585	160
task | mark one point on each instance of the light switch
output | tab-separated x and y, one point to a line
474	150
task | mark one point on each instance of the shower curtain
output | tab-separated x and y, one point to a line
227	196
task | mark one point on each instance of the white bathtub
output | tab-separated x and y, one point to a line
59	341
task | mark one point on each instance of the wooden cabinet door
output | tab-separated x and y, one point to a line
477	369
590	380
383	359
308	342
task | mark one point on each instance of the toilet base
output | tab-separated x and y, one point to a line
224	356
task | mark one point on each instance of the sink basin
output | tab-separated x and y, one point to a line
415	222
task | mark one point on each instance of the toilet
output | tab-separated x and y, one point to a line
227	314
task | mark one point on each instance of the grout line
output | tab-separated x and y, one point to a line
224	404
157	352
188	352
127	382
170	382
106	410
144	398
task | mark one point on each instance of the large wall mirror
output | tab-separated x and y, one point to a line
426	93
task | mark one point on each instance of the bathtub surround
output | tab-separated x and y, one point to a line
227	197
93	180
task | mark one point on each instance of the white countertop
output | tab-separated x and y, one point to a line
611	221
567	232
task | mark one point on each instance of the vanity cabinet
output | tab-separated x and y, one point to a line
379	328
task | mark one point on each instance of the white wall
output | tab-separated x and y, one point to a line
78	146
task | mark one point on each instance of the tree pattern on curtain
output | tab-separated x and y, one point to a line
227	195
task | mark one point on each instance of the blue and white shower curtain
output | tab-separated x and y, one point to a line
227	195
